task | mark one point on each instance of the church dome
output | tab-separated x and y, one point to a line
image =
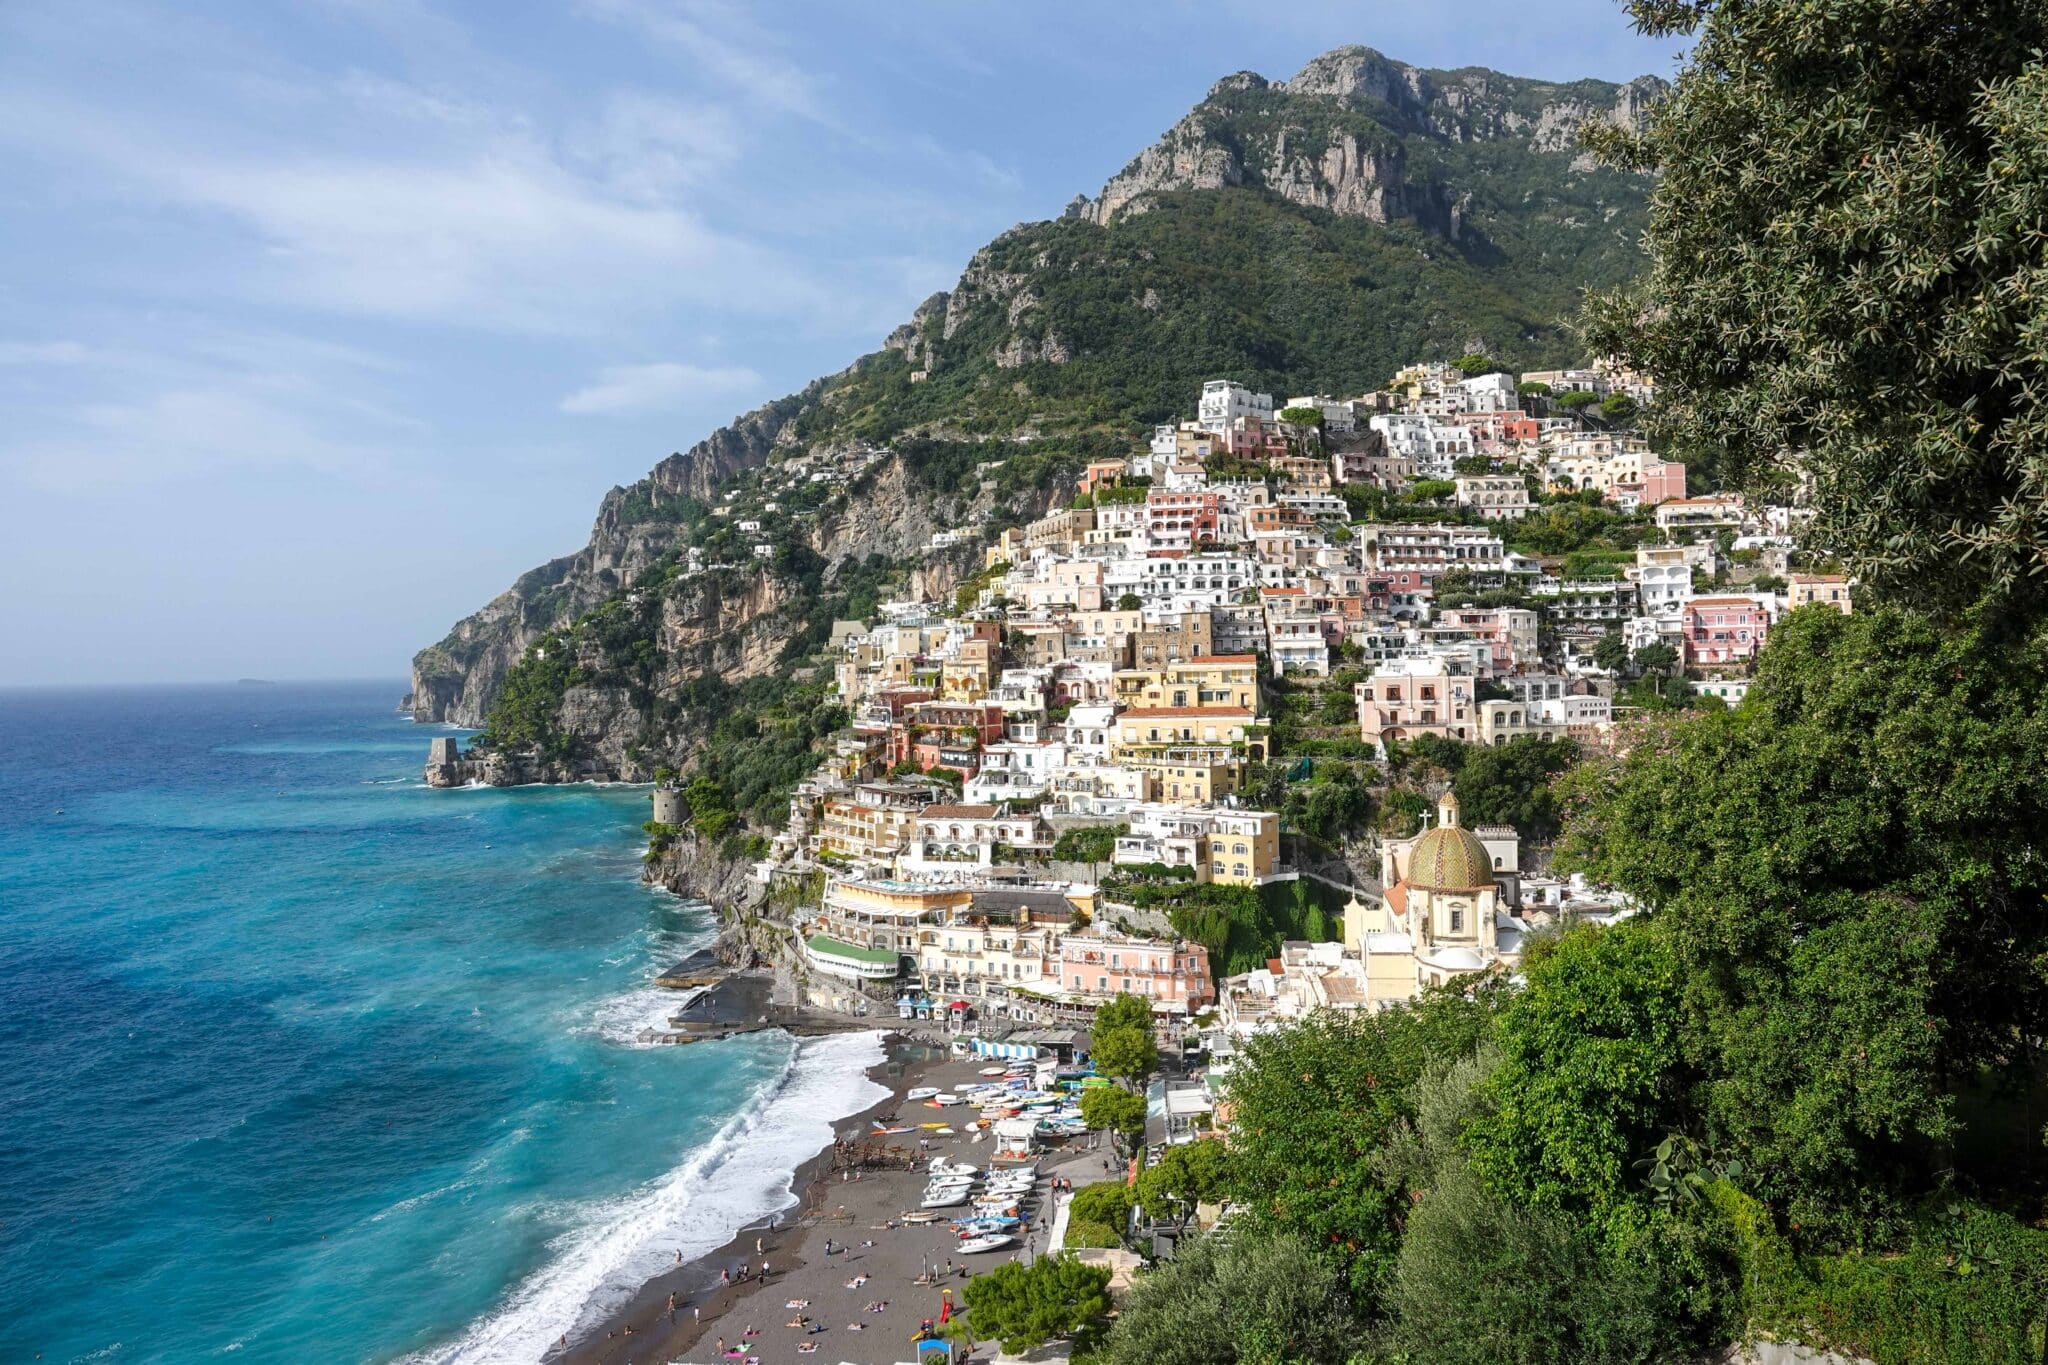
1449	857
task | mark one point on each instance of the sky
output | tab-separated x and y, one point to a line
322	322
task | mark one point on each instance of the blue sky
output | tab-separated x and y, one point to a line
321	322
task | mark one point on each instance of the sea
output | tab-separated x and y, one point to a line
303	1060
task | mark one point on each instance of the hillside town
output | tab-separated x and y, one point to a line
1086	737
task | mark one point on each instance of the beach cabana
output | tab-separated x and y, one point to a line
1016	1139
1004	1052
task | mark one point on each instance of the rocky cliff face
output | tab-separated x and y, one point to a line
695	868
1337	136
457	679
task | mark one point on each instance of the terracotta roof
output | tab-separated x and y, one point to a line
1397	898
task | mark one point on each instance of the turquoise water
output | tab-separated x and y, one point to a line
304	1061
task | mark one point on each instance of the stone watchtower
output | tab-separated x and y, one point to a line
668	806
446	767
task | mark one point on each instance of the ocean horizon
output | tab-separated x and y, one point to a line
309	1061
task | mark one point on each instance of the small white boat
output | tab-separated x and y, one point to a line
944	1098
941	1166
993	1070
923	1216
943	1199
923	1092
994	1241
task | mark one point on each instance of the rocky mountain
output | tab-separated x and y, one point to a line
1309	235
1364	136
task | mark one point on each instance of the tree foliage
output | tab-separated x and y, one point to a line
1025	1306
1188	1174
1106	1205
1848	871
1252	1297
1315	1103
1845	262
1106	1108
1121	1041
1483	1280
1587	1076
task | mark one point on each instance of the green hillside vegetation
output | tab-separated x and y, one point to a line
1236	283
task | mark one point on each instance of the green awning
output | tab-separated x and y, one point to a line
832	947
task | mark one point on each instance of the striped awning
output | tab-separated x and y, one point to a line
1005	1051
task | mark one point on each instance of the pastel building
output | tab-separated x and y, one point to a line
1721	632
1831	589
1096	964
1417	695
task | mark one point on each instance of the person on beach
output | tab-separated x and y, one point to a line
764	1272
724	1277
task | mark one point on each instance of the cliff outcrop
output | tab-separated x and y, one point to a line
1342	134
457	679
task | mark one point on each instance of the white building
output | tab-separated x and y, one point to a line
1224	402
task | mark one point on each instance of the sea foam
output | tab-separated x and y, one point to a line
742	1174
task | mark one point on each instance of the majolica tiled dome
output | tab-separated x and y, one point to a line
1449	857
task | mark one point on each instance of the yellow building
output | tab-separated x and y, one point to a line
1217	680
1142	731
1187	777
1244	847
1830	589
966	676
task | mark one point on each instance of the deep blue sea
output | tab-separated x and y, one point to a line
300	1060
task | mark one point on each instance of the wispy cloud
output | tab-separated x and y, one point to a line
650	148
180	435
44	353
629	390
502	232
723	42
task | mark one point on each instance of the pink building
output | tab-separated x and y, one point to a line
1509	632
1662	481
1720	631
1098	963
1416	695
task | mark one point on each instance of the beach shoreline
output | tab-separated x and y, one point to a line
694	1283
870	1262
